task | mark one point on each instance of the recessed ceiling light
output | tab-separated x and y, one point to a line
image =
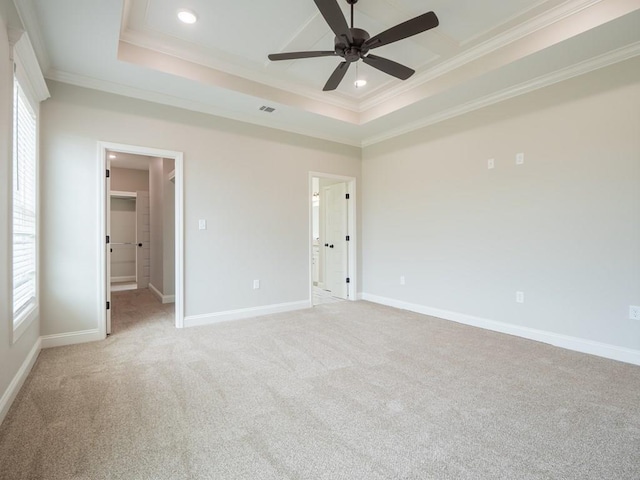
187	16
112	155
360	83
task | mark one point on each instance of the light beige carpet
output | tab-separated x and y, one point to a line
342	391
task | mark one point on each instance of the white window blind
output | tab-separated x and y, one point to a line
24	205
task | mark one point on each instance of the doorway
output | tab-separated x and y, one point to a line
333	259
142	229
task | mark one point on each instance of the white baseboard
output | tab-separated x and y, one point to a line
577	344
71	338
163	298
18	380
130	278
211	318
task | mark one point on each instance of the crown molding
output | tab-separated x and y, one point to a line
575	70
228	66
29	19
554	15
581	68
169	100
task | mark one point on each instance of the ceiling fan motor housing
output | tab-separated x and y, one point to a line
354	51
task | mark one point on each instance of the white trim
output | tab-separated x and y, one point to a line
165	99
18	380
544	20
128	278
576	344
162	297
179	224
123	194
29	19
26	318
213	60
352	226
28	70
71	338
581	68
211	318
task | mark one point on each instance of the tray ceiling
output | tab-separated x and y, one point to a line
481	52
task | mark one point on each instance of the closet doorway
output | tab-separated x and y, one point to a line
143	267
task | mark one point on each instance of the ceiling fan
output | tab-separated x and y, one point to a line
353	44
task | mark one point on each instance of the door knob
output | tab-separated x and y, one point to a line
331	246
139	244
326	244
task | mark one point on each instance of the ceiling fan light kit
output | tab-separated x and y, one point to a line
353	44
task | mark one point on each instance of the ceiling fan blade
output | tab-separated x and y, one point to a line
332	14
406	29
336	77
389	66
297	55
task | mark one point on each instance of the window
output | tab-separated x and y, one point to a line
24	207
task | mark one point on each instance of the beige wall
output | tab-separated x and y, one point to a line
564	227
168	228
162	205
156	210
250	183
12	355
129	180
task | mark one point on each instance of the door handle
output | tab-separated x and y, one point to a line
326	244
331	246
139	244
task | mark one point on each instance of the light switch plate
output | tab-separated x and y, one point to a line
202	224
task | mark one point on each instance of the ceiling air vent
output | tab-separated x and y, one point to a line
264	108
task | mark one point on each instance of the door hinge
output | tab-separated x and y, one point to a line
347	196
108	173
348	238
348	280
108	305
108	239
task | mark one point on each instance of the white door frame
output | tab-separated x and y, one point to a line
179	226
352	288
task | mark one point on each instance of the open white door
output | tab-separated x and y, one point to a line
143	237
108	243
335	244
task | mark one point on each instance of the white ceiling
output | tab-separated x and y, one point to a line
481	53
